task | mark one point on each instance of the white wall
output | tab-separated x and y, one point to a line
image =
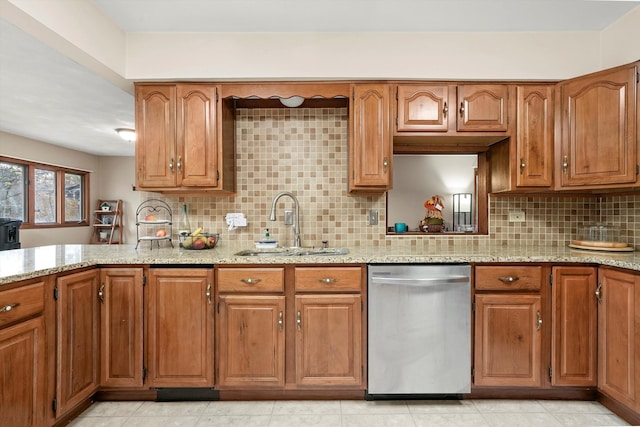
621	41
29	149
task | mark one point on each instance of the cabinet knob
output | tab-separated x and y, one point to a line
299	319
445	110
171	164
101	294
522	165
461	109
539	323
385	163
250	281
327	280
179	164
280	320
598	293
508	279
207	293
565	164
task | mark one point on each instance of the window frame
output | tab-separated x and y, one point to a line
30	196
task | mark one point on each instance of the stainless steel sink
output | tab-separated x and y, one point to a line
294	252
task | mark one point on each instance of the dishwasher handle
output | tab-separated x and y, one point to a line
414	281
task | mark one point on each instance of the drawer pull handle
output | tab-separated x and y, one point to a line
207	293
508	279
250	281
539	325
280	320
599	293
299	319
101	294
8	308
445	110
327	280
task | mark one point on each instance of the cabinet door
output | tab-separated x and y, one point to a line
328	340
197	149
599	129
618	318
482	108
78	338
534	136
370	144
180	328
422	108
121	310
508	340
251	341
574	326
22	379
156	156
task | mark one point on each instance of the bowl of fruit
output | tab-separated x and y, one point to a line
199	240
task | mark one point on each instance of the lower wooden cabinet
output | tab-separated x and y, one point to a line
508	343
328	344
251	340
619	336
180	327
574	327
121	334
22	356
78	339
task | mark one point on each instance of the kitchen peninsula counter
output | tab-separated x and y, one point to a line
22	264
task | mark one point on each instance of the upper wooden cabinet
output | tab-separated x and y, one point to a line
370	150
185	139
534	136
452	108
598	137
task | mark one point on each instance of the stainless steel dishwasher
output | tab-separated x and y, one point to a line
419	336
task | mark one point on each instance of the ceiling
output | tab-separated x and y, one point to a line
44	95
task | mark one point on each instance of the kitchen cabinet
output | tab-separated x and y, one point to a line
22	355
251	337
315	318
78	339
452	108
370	148
121	334
329	311
598	144
180	327
618	296
185	139
508	326
574	326
534	136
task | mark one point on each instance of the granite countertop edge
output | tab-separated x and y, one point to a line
23	264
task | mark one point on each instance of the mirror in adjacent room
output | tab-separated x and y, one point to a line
456	178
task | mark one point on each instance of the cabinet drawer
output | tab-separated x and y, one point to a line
514	277
21	303
250	279
329	279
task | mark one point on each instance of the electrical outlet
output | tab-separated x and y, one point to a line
373	217
516	216
288	217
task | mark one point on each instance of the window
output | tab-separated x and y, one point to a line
43	195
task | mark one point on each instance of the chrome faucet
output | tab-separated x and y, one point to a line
296	225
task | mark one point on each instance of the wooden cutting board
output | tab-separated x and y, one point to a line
596	245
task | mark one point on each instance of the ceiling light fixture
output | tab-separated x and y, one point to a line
128	135
292	102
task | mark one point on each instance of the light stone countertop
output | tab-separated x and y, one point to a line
21	264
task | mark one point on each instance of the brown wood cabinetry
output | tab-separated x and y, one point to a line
574	327
329	326
423	108
619	336
370	148
534	136
483	108
180	327
22	356
508	327
78	339
184	141
251	321
121	334
598	133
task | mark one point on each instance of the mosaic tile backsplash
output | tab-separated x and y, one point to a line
304	151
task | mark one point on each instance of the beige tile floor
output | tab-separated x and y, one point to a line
476	413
